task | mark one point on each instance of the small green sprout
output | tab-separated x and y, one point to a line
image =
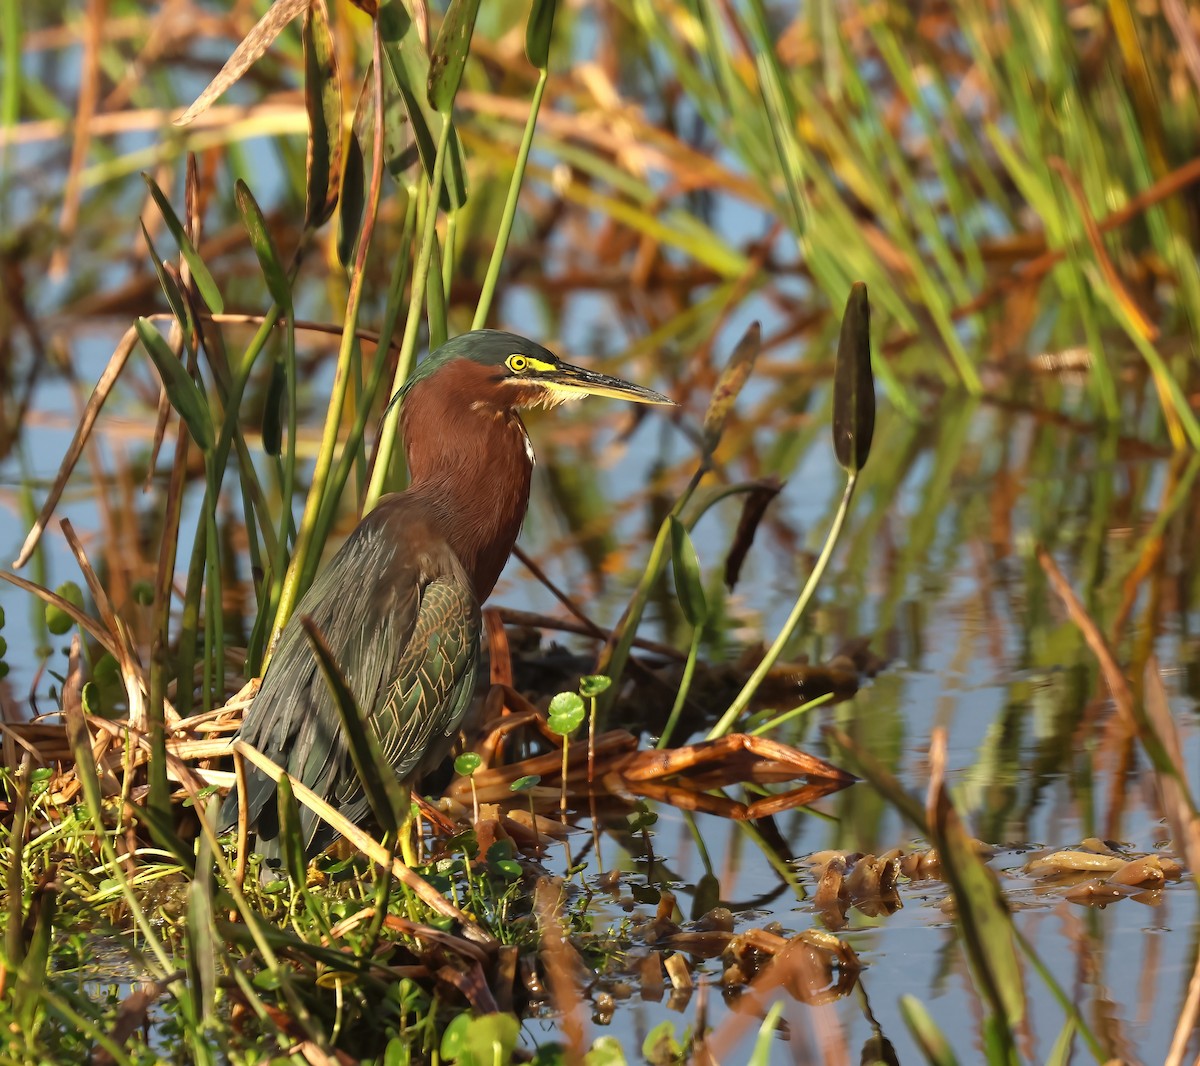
465	766
527	784
565	716
591	686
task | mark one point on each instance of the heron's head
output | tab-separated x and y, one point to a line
492	369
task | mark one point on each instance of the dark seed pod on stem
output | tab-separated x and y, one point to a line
853	385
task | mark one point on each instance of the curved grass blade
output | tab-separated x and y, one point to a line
388	801
409	67
35	966
982	913
264	248
182	391
350	206
758	498
925	1032
205	284
688	585
294	862
201	937
323	101
449	54
170	287
853	385
254	45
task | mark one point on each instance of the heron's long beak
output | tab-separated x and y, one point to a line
572	382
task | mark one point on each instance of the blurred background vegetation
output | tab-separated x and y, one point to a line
1015	182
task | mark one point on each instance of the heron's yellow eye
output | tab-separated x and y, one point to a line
517	363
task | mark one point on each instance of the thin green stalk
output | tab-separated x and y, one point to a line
252	539
448	253
160	797
255	926
786	871
408	346
698	839
510	207
795	712
615	653
356	371
725	725
215	654
273	574
189	619
435	299
306	557
10	77
685	683
391	312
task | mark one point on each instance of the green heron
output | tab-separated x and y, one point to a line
399	603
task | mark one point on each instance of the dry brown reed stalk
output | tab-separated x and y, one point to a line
89	91
565	972
499	656
1179	808
87	422
279	112
536	620
1118	687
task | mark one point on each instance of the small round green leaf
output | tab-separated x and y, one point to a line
89	696
524	784
606	1051
566	713
57	620
501	850
591	685
454	1037
467	763
509	869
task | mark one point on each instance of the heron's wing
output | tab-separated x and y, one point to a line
420	702
404	627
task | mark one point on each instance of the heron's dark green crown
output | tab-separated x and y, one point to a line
488	347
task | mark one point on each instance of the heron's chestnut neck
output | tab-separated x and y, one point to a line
470	462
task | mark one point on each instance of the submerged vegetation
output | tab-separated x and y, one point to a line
240	228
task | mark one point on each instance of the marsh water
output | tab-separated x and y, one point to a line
937	571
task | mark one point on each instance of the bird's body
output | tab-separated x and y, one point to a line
399	603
